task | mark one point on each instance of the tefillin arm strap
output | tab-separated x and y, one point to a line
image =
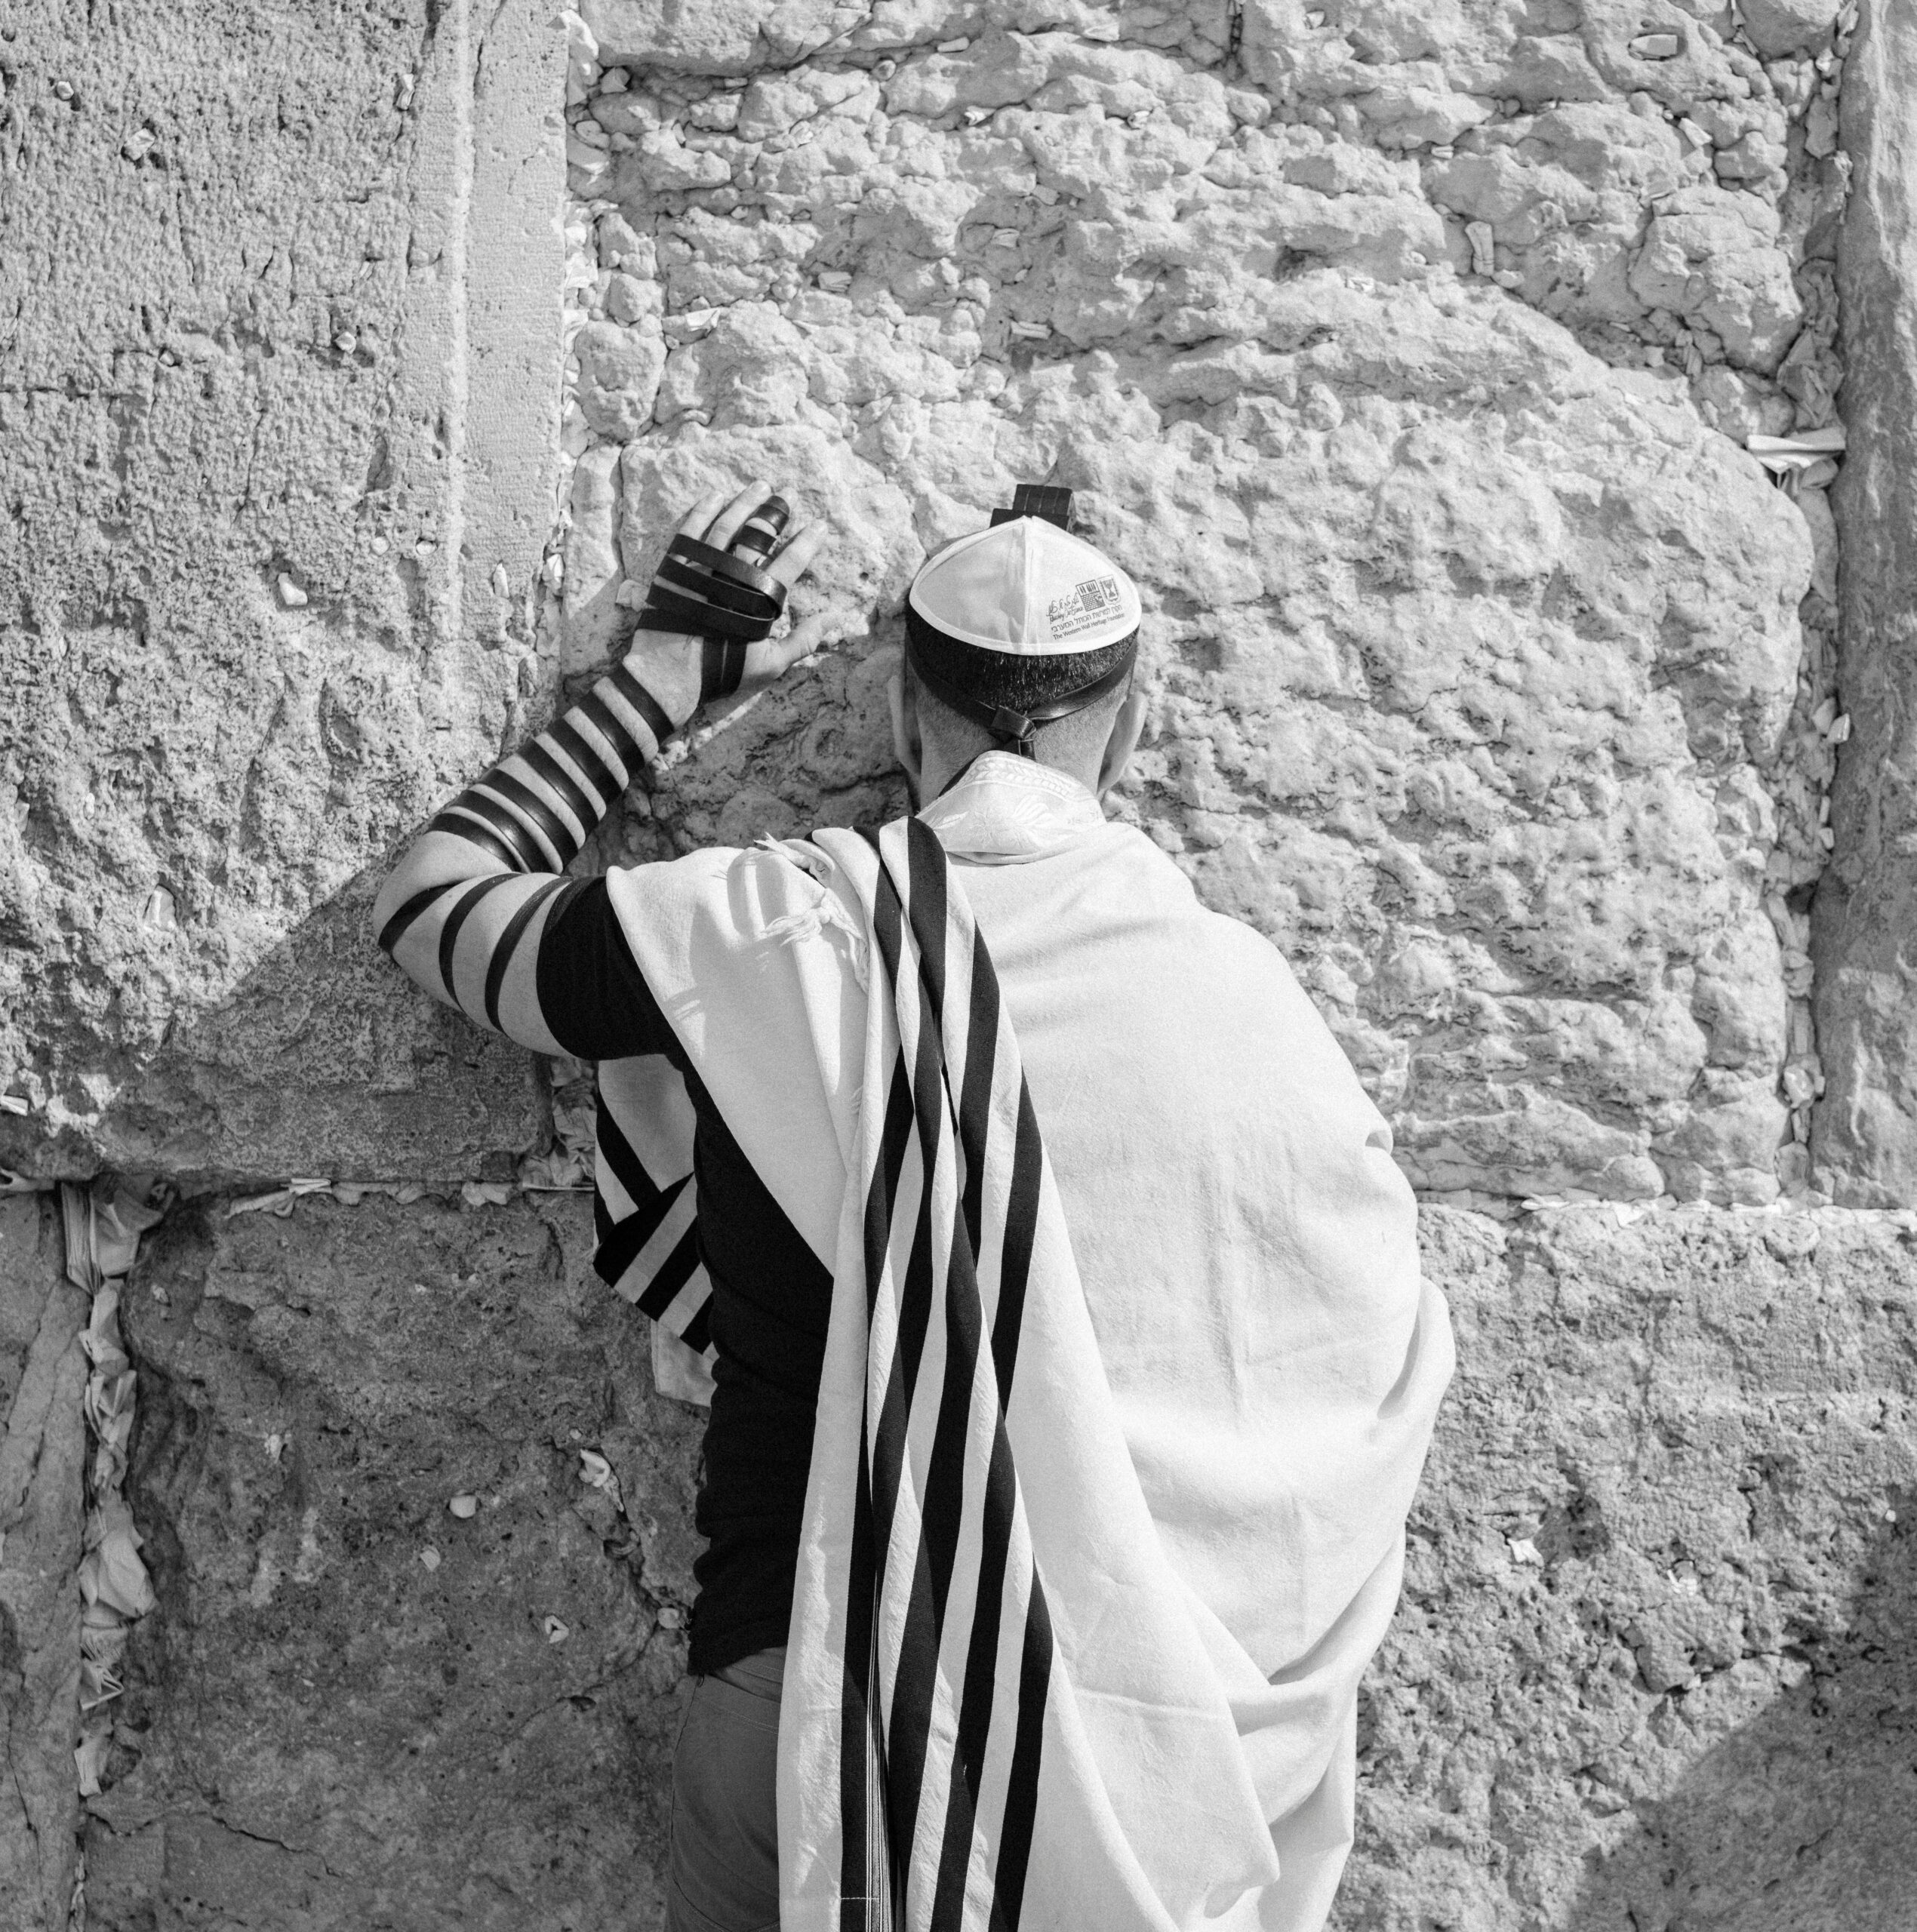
721	595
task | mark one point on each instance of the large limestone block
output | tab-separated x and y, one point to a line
354	1705
1654	1664
272	429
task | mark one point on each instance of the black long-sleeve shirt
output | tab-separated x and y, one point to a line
771	1299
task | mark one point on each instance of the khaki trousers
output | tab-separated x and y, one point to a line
723	1875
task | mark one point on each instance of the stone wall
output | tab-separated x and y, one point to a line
355	360
271	429
1407	358
1653	1669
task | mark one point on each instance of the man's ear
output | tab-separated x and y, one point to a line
1123	742
907	741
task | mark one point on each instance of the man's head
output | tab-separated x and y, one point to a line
1021	638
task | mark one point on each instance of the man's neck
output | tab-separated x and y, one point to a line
943	774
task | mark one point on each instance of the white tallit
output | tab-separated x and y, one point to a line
1226	1367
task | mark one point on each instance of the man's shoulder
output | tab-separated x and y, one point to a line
1148	868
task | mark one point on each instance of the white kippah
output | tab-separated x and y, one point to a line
1028	588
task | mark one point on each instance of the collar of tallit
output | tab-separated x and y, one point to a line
1010	727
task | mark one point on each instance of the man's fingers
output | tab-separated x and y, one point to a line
789	566
823	628
694	523
725	525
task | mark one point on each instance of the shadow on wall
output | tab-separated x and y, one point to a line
1801	1820
319	1060
316	1057
419	1659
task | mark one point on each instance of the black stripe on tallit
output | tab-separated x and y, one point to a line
1015	1257
860	1726
562	783
977	1694
628	1169
860	1746
1034	1671
449	933
1022	1785
396	928
620	1248
588	761
944	1496
509	941
673	1273
975	1093
943	1508
943	1512
908	1719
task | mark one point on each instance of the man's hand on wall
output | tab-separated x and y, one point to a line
683	669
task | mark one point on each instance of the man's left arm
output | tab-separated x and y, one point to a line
467	911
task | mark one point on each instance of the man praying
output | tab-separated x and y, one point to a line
1046	1270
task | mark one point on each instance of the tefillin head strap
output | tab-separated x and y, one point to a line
1015	729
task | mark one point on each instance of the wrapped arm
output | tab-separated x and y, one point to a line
467	910
474	909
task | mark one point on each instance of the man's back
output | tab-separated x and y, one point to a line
1246	1244
1239	1226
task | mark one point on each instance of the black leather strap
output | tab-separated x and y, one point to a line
642	701
589	760
532	807
1018	727
703	591
721	668
759	536
723	563
527	855
461	827
601	717
712	585
552	772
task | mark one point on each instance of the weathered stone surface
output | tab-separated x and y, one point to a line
1654	1667
272	427
1779	27
1346	343
43	1374
1865	1140
321	1730
1653	1658
1475	654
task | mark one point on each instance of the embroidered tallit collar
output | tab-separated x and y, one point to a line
1005	809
